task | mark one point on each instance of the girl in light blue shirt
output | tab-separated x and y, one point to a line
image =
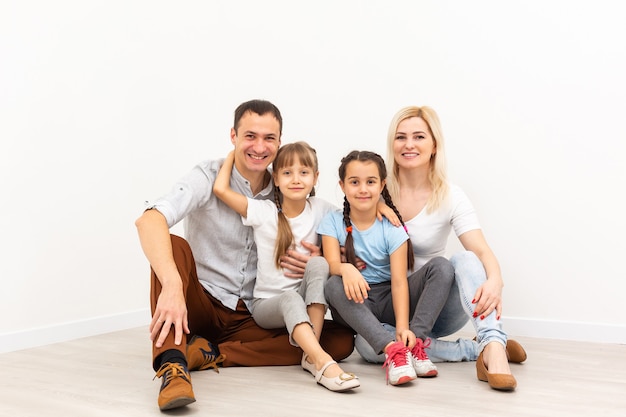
381	293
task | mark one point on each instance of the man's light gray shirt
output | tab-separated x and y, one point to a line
222	246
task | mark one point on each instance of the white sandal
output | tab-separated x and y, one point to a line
309	367
344	382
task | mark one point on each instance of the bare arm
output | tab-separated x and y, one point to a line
171	308
221	188
354	284
488	297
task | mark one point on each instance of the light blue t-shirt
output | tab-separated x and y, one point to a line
374	245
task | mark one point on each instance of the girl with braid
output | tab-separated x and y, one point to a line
381	293
280	301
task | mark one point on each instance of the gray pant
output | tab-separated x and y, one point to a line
428	291
289	308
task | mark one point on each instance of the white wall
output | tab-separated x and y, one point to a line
104	104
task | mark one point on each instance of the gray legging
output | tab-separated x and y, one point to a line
428	292
288	309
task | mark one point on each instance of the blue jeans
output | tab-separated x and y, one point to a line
469	274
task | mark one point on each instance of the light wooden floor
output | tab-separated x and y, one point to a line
110	375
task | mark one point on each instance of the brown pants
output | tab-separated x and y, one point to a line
238	337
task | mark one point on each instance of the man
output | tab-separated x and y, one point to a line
200	286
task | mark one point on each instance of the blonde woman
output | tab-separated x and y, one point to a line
431	208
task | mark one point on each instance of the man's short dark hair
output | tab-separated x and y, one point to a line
259	107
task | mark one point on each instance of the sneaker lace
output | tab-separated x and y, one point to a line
418	350
396	356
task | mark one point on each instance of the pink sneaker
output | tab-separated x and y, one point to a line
399	364
424	368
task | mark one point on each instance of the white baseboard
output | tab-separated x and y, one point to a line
63	332
514	326
563	330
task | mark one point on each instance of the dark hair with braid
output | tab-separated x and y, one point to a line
286	156
366	156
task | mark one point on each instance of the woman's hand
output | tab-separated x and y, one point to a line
488	298
383	209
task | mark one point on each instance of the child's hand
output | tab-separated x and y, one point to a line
227	165
407	337
354	284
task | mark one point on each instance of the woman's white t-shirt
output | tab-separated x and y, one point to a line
429	232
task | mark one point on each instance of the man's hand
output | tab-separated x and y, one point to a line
170	310
294	262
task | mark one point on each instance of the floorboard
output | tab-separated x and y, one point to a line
110	375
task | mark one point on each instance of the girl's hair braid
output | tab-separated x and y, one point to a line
349	245
410	256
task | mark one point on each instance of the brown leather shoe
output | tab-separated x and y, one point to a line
501	382
176	388
202	354
515	352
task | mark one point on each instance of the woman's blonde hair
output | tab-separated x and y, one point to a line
286	156
437	175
